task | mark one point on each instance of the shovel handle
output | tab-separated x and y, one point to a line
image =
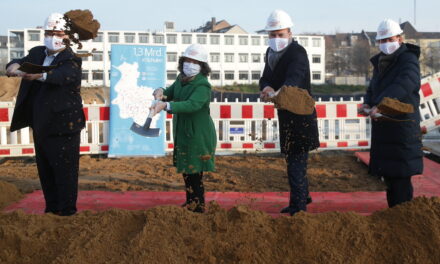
147	123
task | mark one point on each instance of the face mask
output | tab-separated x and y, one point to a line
53	43
389	47
190	69
278	44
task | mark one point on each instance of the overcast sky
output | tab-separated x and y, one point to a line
310	16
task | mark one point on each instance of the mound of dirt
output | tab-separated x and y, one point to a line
327	171
8	194
409	233
390	106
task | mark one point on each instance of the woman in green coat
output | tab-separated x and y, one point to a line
195	138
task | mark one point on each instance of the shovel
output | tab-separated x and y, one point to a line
385	117
145	130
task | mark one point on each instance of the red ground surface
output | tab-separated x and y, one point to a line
427	184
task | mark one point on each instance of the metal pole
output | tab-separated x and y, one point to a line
415	21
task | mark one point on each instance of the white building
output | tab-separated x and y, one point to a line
233	58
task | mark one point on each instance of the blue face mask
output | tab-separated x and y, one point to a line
190	69
389	47
278	44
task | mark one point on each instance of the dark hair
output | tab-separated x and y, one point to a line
205	70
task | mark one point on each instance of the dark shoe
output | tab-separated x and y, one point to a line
286	210
184	204
68	212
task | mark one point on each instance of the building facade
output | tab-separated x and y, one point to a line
233	58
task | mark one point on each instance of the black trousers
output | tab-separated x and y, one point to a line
58	164
195	192
399	190
299	184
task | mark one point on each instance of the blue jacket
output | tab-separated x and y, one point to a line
396	147
298	133
52	107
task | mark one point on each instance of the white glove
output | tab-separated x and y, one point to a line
12	70
158	93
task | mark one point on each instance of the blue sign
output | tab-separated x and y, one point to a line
136	70
236	130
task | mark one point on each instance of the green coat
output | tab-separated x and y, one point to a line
195	138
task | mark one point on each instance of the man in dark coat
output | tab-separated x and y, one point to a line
396	147
287	64
50	103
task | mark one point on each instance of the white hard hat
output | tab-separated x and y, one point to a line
55	21
277	20
196	52
387	29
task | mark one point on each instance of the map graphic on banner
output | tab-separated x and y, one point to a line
135	72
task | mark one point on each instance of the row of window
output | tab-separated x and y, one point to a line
213	57
114	37
98	75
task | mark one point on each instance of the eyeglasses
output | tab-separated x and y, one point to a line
59	34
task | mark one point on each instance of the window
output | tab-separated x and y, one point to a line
186	39
266	41
171	56
243	40
316	42
171	75
256	41
113	37
229	40
97	75
83	52
172	39
99	37
229	75
158	39
256	75
85	75
214	57
256	58
129	37
201	39
243	57
243	75
143	38
34	35
215	75
229	57
316	58
97	56
215	40
316	75
304	42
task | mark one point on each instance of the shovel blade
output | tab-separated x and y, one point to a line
140	130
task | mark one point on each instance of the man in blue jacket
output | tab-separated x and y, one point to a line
50	103
287	64
396	147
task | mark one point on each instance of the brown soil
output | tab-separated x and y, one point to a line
8	194
390	106
295	100
409	233
8	88
328	171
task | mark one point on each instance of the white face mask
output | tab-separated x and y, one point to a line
54	43
389	47
191	69
278	44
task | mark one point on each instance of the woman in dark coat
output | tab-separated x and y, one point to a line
396	147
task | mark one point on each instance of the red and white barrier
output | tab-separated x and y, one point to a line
430	102
240	126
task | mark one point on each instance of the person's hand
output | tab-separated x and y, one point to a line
374	112
32	76
364	110
12	70
266	92
158	93
159	107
